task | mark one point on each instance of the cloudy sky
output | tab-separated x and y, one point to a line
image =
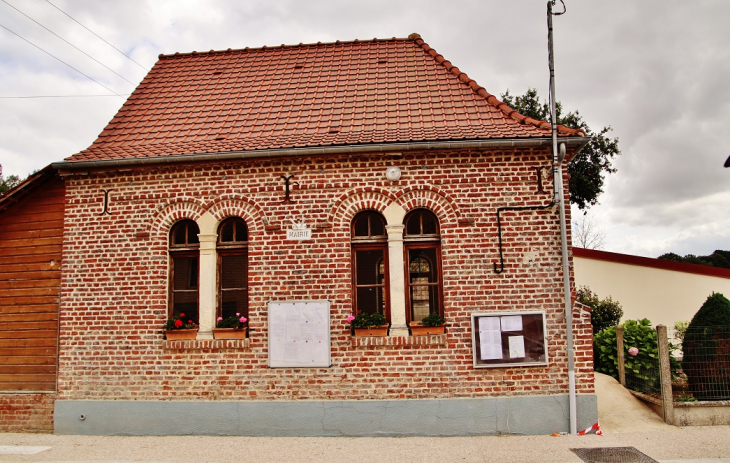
657	71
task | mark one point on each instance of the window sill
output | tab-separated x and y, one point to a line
205	344
431	340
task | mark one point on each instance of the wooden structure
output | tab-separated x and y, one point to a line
31	234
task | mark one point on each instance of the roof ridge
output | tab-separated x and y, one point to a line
481	91
283	45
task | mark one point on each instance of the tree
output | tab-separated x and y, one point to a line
586	234
605	313
718	258
589	167
7	183
706	345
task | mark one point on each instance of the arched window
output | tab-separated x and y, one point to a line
423	256
370	264
232	249
184	249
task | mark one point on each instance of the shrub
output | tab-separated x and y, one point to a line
707	350
604	313
369	320
433	319
234	321
180	322
680	328
642	372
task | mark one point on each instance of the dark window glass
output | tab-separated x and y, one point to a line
423	282
370	280
184	233
421	222
368	224
184	268
233	230
232	268
423	254
370	264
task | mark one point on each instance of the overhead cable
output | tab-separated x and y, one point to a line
117	49
77	48
62	61
58	96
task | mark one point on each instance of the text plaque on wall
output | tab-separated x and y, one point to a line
299	334
503	339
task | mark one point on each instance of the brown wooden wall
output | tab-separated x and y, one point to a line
31	234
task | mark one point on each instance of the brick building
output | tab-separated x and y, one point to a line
355	176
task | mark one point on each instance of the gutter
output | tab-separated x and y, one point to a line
392	149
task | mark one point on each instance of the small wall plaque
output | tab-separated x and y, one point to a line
299	234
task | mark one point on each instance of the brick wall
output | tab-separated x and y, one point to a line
114	284
26	412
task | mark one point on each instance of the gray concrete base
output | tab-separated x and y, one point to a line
436	417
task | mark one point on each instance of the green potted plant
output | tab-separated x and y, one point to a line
233	327
432	324
369	324
180	328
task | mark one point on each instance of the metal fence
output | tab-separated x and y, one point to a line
700	373
706	363
644	377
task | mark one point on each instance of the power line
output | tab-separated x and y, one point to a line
60	96
59	59
82	51
120	51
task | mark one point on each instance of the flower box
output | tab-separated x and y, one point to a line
381	330
419	329
229	333
181	335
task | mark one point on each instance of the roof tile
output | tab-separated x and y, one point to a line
342	93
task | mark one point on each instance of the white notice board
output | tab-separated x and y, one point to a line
299	334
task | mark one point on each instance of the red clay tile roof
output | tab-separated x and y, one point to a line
342	93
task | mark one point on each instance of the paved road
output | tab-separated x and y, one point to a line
699	444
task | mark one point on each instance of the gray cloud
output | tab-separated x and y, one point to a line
655	70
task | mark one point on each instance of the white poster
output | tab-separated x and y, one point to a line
489	324
299	334
490	341
516	347
512	323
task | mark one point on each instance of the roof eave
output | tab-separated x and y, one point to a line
20	190
573	142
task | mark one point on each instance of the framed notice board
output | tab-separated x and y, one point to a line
508	339
299	334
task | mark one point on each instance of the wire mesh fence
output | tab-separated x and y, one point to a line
643	376
706	362
699	366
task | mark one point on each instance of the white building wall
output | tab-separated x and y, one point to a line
662	296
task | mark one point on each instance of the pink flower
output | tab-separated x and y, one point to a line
238	315
219	319
350	318
242	319
634	351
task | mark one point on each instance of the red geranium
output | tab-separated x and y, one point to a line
180	323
